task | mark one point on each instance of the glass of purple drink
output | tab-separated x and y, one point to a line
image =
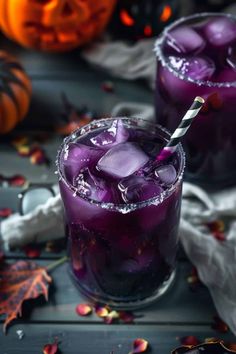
197	57
122	210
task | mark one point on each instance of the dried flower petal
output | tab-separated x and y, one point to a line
108	86
193	277
32	251
126	317
189	340
113	315
218	235
140	345
37	156
17	181
217	225
24	150
83	309
5	212
219	325
102	311
50	348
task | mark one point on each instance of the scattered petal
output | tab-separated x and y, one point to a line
5	212
83	309
32	251
50	348
24	150
38	157
193	276
102	311
140	345
220	236
219	325
108	86
111	317
217	225
189	340
126	317
17	181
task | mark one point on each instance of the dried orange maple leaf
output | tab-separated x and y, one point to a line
19	282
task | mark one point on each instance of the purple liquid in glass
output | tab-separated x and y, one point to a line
122	210
197	57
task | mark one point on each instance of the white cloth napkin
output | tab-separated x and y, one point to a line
136	61
215	260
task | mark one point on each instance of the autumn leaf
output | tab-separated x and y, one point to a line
51	348
22	281
19	282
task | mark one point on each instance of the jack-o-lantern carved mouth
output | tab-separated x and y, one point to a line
63	24
54	25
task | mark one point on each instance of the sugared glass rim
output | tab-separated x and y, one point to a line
124	207
161	56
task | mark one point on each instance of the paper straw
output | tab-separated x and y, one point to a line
184	125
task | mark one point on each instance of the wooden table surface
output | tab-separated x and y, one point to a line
181	312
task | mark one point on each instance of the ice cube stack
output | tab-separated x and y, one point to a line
204	51
116	165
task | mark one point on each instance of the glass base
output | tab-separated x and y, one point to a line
117	304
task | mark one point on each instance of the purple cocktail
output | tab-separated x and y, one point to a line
197	57
122	210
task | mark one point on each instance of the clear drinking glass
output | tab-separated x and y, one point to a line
196	56
122	254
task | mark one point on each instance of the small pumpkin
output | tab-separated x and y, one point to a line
54	25
15	92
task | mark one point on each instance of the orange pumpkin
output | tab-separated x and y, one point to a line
15	92
54	25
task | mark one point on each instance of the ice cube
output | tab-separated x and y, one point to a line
136	189
122	160
92	186
231	58
77	156
166	173
196	68
185	40
220	31
116	134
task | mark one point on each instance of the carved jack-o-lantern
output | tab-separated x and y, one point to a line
54	25
136	19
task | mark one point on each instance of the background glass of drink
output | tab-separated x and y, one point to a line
197	57
122	227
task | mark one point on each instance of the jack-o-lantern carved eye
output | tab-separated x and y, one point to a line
166	13
126	18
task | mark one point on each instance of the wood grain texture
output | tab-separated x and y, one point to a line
94	339
178	306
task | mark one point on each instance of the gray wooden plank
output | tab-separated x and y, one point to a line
84	88
11	163
179	305
94	339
